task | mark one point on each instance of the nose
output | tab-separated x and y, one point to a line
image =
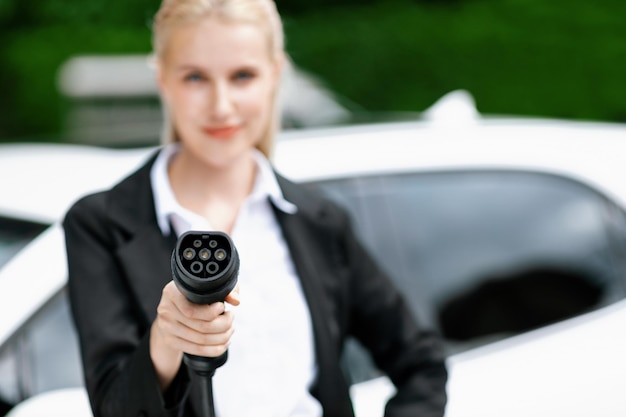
222	101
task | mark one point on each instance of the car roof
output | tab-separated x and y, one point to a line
592	153
40	181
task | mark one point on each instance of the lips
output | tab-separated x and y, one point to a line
222	132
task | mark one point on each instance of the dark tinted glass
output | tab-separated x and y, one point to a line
42	356
14	235
486	255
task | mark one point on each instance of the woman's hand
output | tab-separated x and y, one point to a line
182	326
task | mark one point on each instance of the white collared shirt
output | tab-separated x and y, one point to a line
271	359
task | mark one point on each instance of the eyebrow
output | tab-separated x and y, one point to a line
188	67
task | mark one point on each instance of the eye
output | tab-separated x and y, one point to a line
194	77
243	76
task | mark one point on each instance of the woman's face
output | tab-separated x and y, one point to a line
218	82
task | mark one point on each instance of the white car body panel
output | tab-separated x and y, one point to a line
31	278
74	170
532	374
71	402
562	148
568	369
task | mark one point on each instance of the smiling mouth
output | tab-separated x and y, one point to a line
222	132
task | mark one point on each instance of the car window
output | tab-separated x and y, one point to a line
43	355
486	255
15	234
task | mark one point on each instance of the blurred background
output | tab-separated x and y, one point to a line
78	72
381	59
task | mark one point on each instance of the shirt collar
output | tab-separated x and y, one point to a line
266	185
165	203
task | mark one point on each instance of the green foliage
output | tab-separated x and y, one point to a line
40	36
91	12
34	57
7	9
292	7
558	58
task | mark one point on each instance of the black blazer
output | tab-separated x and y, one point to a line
119	262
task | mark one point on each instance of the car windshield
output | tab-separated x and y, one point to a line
535	248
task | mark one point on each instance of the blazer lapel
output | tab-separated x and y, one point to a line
144	253
297	230
296	233
146	258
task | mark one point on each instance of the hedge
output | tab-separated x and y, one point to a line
564	59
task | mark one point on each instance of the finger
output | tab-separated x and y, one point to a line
193	311
215	332
202	350
172	294
198	317
220	324
217	346
202	339
233	297
180	328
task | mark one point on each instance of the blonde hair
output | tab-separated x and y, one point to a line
263	13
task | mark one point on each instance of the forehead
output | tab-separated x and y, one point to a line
213	41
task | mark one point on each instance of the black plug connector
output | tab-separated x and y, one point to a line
205	267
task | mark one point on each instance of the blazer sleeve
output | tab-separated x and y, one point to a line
380	319
113	333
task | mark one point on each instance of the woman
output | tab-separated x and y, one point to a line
218	69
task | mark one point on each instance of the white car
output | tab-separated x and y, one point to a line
507	235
